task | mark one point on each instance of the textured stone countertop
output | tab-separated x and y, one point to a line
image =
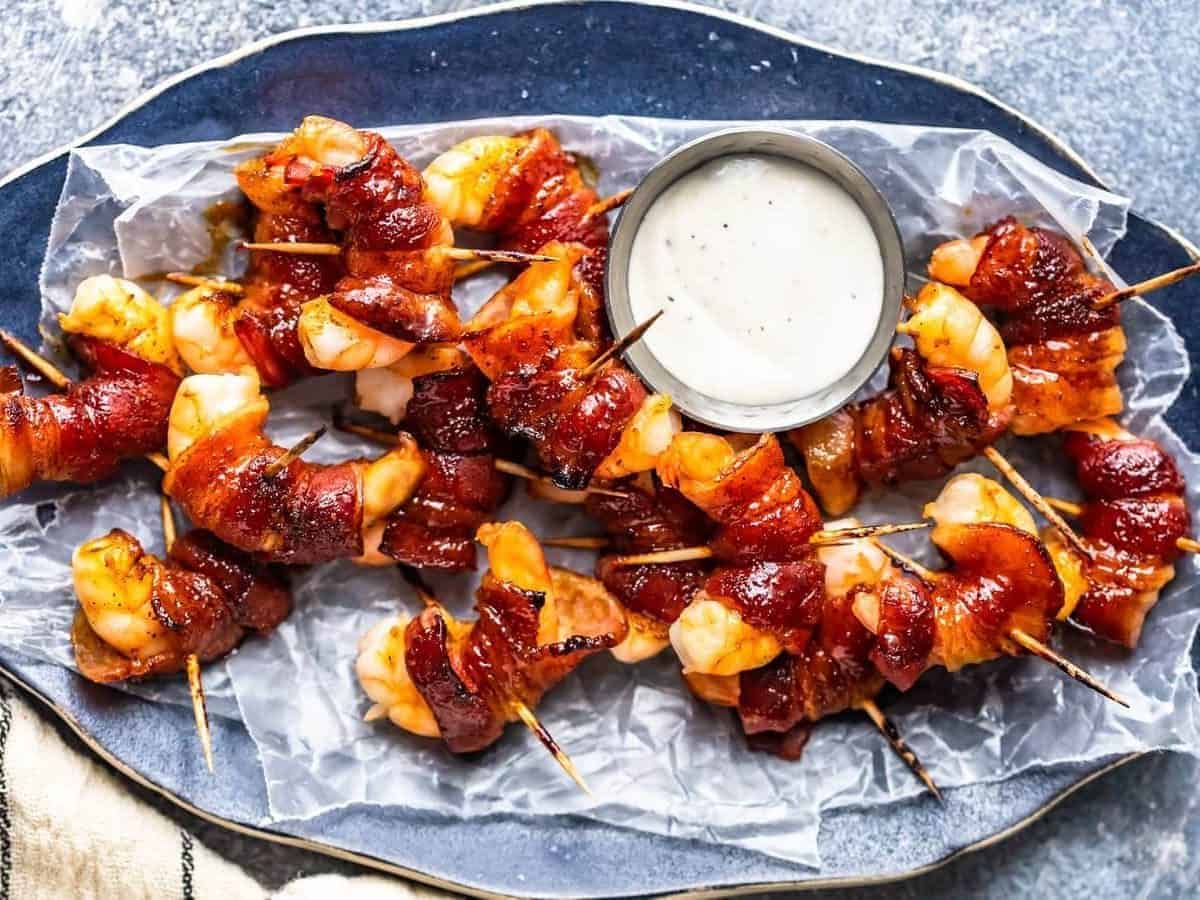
1120	85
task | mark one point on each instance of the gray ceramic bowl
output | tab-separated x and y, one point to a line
775	142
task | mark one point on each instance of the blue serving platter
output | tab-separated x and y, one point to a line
521	59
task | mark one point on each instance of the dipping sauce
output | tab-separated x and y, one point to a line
770	276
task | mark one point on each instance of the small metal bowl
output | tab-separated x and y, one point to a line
764	141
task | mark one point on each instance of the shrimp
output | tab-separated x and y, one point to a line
319	141
387	390
853	563
532	319
118	311
204	401
954	262
202	320
647	637
114	580
712	638
463	682
337	342
301	512
462	182
970	499
646	437
382	672
950	330
517	559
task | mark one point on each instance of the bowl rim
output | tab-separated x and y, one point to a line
806	150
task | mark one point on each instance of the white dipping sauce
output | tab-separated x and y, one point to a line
770	276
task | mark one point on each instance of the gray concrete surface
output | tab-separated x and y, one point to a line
1119	83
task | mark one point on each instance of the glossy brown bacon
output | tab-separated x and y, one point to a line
1133	518
462	488
542	197
1001	579
206	596
276	285
926	422
1063	353
119	412
572	421
304	513
472	675
784	599
779	703
645	517
764	519
393	283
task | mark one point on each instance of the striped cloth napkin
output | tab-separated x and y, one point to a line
69	828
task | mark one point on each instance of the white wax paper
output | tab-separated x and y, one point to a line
655	759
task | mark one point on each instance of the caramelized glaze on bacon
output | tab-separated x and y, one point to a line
573	422
1063	353
785	599
118	413
305	513
471	675
542	198
649	516
764	520
276	285
462	488
1000	579
1133	518
927	421
392	283
779	703
206	596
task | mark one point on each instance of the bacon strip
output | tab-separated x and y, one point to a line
779	703
649	516
572	422
462	488
207	595
277	284
118	413
392	283
1063	353
1134	516
764	519
928	421
1000	579
541	198
471	676
305	513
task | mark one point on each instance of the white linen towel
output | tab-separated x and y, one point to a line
69	828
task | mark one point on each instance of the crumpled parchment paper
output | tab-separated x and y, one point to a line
656	759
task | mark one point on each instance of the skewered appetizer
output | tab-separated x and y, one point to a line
119	412
140	615
256	328
230	479
764	596
584	415
439	395
1063	345
396	243
528	192
1131	526
779	703
647	516
1132	523
947	399
463	682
